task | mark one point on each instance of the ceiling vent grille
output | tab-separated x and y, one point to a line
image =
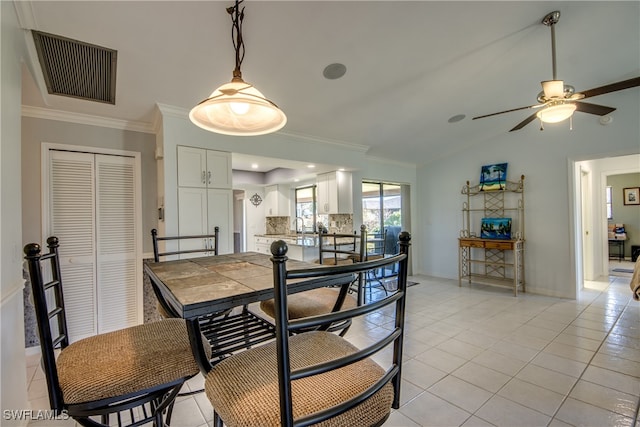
77	69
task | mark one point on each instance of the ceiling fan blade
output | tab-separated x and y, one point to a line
524	122
508	111
598	110
613	87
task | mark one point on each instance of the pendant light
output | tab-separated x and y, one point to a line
238	108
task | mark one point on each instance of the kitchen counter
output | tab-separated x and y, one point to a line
309	240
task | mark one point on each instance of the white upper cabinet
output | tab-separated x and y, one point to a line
277	200
335	194
202	168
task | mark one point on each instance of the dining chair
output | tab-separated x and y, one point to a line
226	332
316	377
340	250
126	377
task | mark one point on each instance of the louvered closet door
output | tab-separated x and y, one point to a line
117	266
93	211
72	220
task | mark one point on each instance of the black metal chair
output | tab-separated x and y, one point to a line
126	377
315	377
341	249
226	332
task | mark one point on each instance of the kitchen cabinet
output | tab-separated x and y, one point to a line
493	261
335	194
202	168
205	197
277	200
200	210
307	251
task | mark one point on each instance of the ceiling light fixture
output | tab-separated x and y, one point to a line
556	112
238	108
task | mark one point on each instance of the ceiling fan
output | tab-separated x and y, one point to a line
558	101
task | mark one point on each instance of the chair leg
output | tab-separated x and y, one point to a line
217	421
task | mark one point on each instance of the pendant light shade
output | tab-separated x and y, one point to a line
238	108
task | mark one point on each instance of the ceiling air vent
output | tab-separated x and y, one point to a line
77	69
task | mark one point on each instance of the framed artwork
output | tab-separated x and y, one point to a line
495	228
631	195
493	177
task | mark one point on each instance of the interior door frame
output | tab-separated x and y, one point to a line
46	148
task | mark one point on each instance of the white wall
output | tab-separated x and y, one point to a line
545	159
13	387
178	130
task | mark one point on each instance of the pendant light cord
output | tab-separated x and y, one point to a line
237	16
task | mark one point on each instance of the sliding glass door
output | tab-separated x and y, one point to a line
382	212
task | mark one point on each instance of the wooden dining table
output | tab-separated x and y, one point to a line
198	287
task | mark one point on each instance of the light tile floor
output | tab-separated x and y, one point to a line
477	356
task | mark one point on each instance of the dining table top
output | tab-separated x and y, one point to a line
199	286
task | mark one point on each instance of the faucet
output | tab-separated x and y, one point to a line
295	225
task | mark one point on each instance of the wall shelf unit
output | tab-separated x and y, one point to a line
492	261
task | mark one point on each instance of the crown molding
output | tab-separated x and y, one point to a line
86	119
183	113
390	161
26	17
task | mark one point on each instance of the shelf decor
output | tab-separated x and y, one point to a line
493	177
495	228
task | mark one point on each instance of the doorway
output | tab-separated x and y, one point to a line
590	214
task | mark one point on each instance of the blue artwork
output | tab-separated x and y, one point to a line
496	228
493	177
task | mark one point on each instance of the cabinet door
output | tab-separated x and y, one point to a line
218	169
192	217
323	193
192	167
271	200
220	213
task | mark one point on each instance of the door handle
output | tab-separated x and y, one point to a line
209	176
204	177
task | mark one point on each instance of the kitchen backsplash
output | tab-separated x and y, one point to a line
278	224
341	223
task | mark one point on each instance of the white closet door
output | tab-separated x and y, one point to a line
72	220
117	264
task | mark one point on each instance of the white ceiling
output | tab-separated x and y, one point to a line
410	65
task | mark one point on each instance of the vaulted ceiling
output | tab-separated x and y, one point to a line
411	66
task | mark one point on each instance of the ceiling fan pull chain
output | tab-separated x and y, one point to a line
541	125
571	123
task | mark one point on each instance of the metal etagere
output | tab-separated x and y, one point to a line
498	262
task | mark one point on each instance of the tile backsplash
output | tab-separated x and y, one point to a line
278	224
341	223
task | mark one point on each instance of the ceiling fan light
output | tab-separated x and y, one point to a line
553	88
238	108
556	112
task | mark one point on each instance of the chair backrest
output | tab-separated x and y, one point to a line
336	246
50	338
284	328
376	243
204	244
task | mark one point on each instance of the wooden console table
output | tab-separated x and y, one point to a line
485	261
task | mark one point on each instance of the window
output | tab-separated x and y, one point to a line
306	209
609	202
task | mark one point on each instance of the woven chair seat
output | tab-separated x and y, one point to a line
126	361
309	303
244	388
340	261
